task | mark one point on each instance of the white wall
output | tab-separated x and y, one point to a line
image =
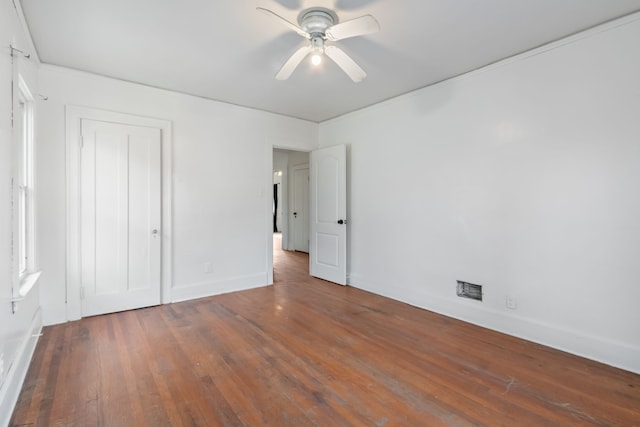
522	177
16	330
298	158
222	181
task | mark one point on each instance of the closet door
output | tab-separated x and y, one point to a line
120	217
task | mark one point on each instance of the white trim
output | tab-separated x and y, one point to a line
269	213
32	51
28	138
74	114
10	390
618	354
22	280
222	286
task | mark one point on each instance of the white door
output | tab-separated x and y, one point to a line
300	213
120	217
328	249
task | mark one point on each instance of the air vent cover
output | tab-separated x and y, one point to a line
469	290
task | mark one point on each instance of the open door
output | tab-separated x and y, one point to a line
328	246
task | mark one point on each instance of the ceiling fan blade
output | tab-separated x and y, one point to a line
291	64
366	24
290	25
345	62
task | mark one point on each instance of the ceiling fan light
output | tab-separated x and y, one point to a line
316	59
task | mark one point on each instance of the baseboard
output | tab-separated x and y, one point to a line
15	377
617	354
52	314
206	289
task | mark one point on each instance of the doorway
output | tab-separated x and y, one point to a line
290	203
325	205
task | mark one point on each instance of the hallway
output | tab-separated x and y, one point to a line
288	266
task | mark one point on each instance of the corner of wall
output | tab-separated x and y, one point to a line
54	314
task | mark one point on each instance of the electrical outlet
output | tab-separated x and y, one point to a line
208	268
512	302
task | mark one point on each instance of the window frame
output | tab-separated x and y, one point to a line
25	273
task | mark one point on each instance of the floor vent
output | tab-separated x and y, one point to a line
469	290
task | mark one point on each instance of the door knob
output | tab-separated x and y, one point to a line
295	214
342	221
154	231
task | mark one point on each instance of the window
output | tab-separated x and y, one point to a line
23	200
24	184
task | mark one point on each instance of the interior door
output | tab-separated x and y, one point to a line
328	248
300	212
120	217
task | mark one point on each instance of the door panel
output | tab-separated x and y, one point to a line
120	209
328	248
327	174
301	209
144	193
109	209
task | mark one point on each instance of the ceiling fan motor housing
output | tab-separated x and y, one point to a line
316	20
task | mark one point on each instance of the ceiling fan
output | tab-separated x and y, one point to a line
319	26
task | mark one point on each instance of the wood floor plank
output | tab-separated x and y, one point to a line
305	352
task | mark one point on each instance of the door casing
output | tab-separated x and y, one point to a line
74	116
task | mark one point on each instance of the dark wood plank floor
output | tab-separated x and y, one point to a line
307	352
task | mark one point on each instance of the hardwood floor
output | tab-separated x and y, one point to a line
307	352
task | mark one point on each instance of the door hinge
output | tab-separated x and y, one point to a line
82	292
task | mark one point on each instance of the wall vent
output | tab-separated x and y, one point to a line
469	290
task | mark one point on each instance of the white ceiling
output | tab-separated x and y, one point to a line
226	50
